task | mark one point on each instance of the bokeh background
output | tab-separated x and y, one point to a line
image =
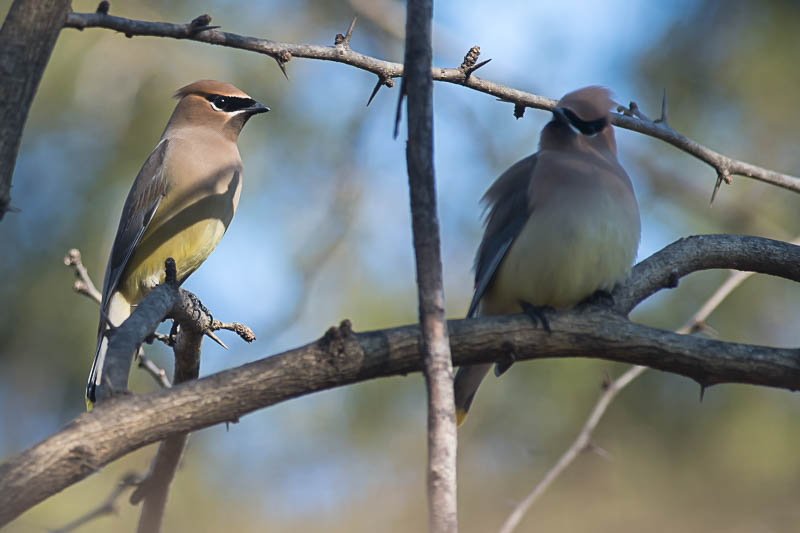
322	233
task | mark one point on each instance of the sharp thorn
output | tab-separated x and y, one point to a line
375	91
210	335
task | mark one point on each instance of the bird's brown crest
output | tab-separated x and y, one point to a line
589	103
204	87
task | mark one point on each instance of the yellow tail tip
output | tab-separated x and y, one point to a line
89	403
461	415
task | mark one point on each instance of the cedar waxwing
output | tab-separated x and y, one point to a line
179	205
562	224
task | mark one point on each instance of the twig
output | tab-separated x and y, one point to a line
83	284
158	373
435	345
580	444
385	70
694	324
107	507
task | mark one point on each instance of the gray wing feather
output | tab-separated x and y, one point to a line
508	211
143	199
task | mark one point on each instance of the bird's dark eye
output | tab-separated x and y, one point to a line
217	101
586	127
229	104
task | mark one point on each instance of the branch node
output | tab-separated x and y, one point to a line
344	40
633	111
244	332
200	24
723	174
346	328
281	59
102	7
471	57
470	64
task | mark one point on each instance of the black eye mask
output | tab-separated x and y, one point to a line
229	104
586	127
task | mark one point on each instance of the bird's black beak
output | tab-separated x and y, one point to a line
256	108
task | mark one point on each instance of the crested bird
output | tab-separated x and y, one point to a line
179	205
561	224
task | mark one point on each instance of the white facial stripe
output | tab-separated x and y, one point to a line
573	128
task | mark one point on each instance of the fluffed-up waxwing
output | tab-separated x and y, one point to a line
562	224
179	205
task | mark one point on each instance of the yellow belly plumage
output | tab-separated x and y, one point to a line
188	246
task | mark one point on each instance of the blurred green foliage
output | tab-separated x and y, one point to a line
353	459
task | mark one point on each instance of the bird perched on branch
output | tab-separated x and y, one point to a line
179	205
562	224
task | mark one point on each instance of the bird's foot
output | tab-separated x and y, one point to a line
537	314
599	297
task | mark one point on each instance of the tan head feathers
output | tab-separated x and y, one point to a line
205	87
589	103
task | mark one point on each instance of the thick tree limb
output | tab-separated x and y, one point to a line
435	347
724	166
27	38
703	252
127	422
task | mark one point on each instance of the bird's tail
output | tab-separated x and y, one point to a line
466	383
118	310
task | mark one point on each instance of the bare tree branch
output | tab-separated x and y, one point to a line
435	346
83	282
724	166
583	441
127	422
194	322
664	269
27	38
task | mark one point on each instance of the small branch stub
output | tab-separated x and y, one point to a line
199	24
344	40
470	64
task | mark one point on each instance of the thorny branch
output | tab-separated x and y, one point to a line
342	357
725	166
194	321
